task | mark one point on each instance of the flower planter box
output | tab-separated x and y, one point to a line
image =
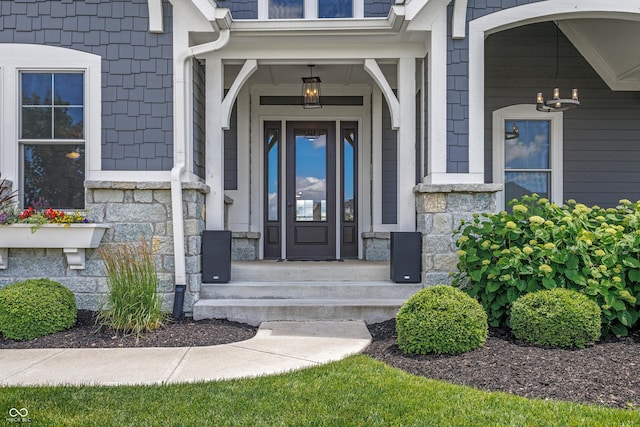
73	239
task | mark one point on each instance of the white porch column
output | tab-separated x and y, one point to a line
214	175
406	160
437	95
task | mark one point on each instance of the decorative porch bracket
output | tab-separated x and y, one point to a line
459	20
371	67
250	66
155	16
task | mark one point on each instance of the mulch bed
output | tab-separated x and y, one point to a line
176	333
607	373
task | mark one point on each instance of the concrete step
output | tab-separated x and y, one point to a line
255	311
309	271
300	290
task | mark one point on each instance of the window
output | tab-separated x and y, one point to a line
51	138
527	153
310	9
50	122
335	9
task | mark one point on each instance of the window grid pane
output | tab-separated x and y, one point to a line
52	114
286	9
335	8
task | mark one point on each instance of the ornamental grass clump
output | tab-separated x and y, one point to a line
557	318
34	308
541	245
133	304
441	319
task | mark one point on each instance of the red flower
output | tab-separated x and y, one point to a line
27	213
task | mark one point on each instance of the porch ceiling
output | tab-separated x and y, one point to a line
612	47
330	74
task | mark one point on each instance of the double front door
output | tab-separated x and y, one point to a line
311	190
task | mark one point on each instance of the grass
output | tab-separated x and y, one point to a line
357	391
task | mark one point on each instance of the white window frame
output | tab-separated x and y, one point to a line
17	58
529	112
311	9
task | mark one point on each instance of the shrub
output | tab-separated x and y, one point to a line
34	308
556	317
541	245
133	305
441	319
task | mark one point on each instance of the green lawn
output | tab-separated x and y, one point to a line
356	391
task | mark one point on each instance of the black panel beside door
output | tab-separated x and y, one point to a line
311	190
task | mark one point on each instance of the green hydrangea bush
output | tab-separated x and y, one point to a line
34	308
541	245
441	319
557	318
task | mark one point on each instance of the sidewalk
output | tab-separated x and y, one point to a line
277	347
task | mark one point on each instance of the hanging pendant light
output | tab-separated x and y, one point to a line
311	90
556	103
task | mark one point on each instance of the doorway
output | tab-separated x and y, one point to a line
319	167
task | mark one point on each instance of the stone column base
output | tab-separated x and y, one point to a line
440	208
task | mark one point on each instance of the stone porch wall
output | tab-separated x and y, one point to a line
134	211
440	208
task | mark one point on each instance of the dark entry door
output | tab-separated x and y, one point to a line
310	190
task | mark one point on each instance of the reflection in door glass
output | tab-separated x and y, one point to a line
272	175
311	176
349	174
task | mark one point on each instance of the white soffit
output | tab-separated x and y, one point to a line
611	46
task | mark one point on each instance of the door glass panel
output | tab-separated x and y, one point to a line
272	175
286	9
335	8
348	175
311	175
518	184
527	146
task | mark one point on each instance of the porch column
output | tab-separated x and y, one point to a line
406	144
214	169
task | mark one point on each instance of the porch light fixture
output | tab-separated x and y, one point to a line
311	90
557	103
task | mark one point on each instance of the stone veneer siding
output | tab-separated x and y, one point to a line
440	209
134	211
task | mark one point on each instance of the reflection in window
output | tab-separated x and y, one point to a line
348	160
527	158
286	9
272	175
335	8
52	115
311	176
54	175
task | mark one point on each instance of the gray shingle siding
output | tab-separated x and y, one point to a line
240	9
601	138
458	83
377	8
137	94
389	169
199	116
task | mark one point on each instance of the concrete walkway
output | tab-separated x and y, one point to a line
277	347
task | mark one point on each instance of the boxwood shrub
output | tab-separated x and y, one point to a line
34	308
441	319
556	317
542	245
